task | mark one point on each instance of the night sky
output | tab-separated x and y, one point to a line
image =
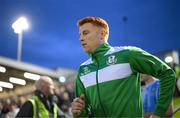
53	38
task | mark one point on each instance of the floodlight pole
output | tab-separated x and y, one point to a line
19	25
19	51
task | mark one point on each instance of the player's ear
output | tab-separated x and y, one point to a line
103	34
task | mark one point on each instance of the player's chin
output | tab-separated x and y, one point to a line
86	50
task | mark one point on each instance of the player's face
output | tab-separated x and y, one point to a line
90	36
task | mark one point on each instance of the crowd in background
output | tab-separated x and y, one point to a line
64	94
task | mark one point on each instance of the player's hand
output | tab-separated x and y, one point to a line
78	105
154	116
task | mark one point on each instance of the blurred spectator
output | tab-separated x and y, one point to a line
177	72
65	102
5	110
61	89
150	96
63	99
176	69
1	106
21	101
70	90
42	105
13	109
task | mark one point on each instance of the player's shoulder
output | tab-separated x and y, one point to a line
122	48
87	62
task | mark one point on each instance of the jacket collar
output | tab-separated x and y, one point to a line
100	51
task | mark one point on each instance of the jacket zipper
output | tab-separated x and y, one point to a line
97	85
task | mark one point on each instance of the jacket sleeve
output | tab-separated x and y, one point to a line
80	89
143	62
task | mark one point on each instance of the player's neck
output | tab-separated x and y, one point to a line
149	81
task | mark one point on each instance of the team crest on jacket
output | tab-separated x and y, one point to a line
111	60
86	70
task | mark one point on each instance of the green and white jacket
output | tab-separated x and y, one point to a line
110	81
